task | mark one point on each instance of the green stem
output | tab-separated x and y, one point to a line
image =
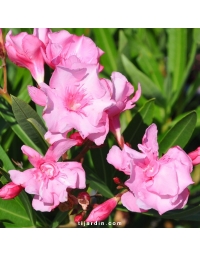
6	96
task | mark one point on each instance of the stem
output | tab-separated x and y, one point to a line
7	97
83	152
4	91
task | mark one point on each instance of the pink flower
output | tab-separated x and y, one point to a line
102	211
10	190
120	91
48	180
155	183
75	99
25	51
66	49
195	156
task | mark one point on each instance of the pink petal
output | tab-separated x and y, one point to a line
119	159
42	34
21	178
149	142
39	205
129	201
37	95
33	156
59	148
182	165
75	174
121	88
165	176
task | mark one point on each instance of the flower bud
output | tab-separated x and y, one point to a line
116	180
24	50
76	136
102	211
195	156
10	190
79	217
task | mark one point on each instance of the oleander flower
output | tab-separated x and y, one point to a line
25	51
75	99
154	183
10	190
66	49
120	91
49	180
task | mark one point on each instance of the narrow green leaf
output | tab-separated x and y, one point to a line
101	166
96	183
25	138
25	110
7	114
60	216
105	41
149	66
122	41
192	53
177	52
13	213
136	128
189	213
7	164
22	111
179	134
41	131
149	89
5	175
28	207
24	199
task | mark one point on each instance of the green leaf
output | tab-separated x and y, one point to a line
149	89
192	53
24	199
5	175
26	110
96	183
122	41
101	167
179	134
189	213
149	66
41	131
196	35
105	41
136	128
22	111
7	114
60	216
177	53
7	164
28	207
13	214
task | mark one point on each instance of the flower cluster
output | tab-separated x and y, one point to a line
155	183
76	98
